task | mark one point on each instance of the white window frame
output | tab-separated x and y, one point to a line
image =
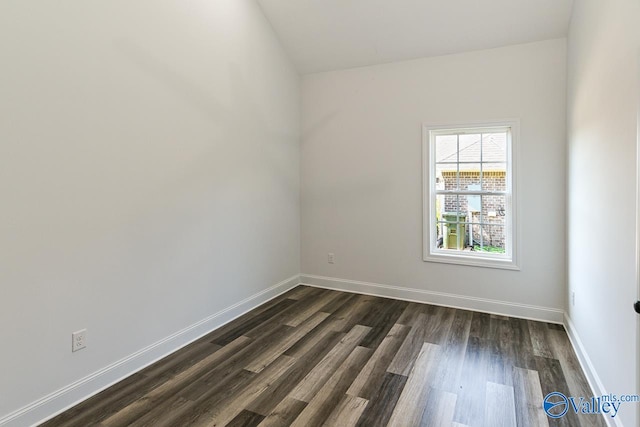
431	253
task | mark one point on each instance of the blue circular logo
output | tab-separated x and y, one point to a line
556	404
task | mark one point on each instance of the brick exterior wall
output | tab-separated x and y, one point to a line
494	234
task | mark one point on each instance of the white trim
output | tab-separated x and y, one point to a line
51	405
512	228
638	229
485	305
587	367
473	261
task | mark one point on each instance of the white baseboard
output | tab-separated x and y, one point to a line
51	405
587	367
523	311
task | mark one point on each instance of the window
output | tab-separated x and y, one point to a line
469	194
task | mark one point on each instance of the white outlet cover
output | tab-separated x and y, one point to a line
78	340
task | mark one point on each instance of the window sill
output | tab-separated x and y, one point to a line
472	261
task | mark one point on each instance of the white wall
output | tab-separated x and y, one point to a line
603	51
362	177
148	177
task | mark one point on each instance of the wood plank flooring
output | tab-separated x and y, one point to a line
314	357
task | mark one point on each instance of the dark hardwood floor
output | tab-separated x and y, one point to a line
315	357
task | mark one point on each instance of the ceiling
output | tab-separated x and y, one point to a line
322	35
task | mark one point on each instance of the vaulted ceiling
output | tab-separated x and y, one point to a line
322	35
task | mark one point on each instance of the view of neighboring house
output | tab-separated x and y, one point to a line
472	163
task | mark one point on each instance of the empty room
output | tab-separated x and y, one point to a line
320	213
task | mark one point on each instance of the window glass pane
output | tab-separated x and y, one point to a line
474	206
454	223
494	176
491	239
451	205
494	147
490	235
463	208
447	177
452	235
476	234
494	210
469	148
446	148
470	176
439	233
448	237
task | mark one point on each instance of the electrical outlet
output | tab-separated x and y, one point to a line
331	258
573	298
78	340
